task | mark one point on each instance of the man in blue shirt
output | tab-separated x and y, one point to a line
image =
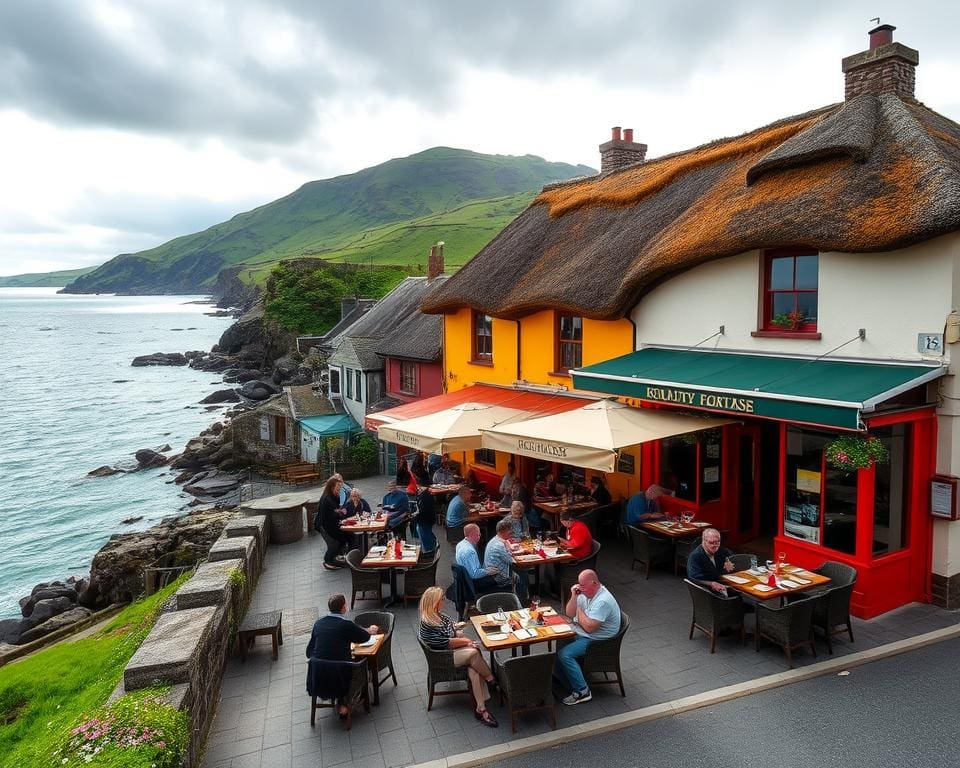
396	504
497	557
640	509
459	508
596	616
484	579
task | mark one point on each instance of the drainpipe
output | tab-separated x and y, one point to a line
519	370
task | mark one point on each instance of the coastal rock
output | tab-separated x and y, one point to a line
45	609
223	453
10	630
50	592
54	623
104	471
214	484
148	459
116	574
222	396
160	358
258	390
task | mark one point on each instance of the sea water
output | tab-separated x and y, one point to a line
71	402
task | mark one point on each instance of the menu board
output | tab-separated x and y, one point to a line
943	497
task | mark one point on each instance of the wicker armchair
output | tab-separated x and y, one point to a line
681	551
526	684
831	610
789	627
441	669
363	580
648	550
589	519
358	693
608	518
568	573
384	658
713	613
491	602
454	535
416	580
603	658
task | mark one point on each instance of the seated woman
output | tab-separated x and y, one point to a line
519	527
578	541
440	633
356	504
545	488
329	515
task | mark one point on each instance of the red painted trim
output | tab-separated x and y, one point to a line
921	413
814	335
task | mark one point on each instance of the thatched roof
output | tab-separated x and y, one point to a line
872	174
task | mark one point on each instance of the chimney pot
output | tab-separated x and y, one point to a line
628	134
615	133
882	35
621	151
435	263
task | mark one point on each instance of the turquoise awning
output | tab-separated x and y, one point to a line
334	424
814	391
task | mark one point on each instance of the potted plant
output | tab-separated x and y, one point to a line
852	452
789	321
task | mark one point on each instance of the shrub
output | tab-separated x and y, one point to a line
363	451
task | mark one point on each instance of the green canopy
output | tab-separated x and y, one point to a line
814	391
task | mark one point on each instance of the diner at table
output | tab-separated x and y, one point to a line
468	558
599	492
356	505
708	561
498	560
444	475
459	508
577	539
439	632
519	527
546	489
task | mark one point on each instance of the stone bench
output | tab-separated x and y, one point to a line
257	624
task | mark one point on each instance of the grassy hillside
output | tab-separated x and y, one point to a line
44	279
390	213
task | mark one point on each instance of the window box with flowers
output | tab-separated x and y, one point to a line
852	452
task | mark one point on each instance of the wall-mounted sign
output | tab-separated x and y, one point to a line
626	463
700	399
930	343
808	481
943	496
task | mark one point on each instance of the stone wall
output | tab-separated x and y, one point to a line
248	443
188	647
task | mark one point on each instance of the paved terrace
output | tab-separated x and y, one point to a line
263	717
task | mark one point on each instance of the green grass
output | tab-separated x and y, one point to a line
47	694
44	279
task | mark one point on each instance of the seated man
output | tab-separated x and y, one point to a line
709	561
596	616
466	556
578	541
497	559
332	635
396	504
444	476
546	488
459	508
640	509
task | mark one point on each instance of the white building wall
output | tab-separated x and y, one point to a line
894	295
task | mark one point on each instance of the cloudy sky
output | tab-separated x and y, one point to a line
125	123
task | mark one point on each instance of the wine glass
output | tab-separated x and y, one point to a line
534	602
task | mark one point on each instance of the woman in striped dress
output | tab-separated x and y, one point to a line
440	633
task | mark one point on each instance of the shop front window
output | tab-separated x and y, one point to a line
840	510
803	484
691	465
891	491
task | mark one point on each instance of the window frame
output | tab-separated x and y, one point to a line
333	382
560	342
766	324
358	385
481	320
348	375
407	366
487	457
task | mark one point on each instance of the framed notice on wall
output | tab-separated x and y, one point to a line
626	463
943	497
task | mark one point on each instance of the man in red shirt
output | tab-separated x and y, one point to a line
579	542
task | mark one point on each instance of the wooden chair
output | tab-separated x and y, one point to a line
363	580
789	626
648	550
441	669
526	685
384	658
603	658
681	551
320	698
713	613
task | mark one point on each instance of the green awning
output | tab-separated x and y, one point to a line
334	424
829	392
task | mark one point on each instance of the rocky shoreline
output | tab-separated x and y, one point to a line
253	353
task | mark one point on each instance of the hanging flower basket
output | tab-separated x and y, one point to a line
852	452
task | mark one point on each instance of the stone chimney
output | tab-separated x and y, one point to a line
435	262
620	152
886	67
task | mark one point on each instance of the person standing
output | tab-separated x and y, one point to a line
506	482
419	470
426	519
596	616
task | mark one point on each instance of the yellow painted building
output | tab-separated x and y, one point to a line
536	349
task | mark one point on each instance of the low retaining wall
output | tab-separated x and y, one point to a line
188	647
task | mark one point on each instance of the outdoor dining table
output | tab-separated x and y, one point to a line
526	560
369	653
489	630
674	530
364	528
753	581
555	508
386	558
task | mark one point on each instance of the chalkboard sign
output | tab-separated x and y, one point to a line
626	463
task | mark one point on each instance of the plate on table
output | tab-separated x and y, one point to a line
700	524
496	637
763	588
377	550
